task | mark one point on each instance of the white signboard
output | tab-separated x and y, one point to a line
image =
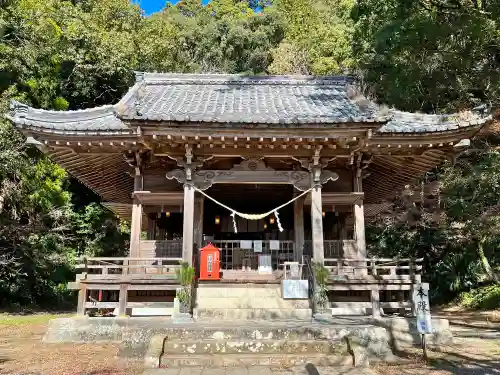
274	245
420	299
246	245
294	270
265	264
257	246
295	289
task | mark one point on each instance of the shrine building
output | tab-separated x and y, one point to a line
270	170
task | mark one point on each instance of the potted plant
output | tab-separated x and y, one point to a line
185	275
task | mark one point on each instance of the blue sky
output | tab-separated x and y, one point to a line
151	6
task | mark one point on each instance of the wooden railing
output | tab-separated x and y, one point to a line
333	248
123	274
112	267
266	245
235	255
160	249
378	268
132	305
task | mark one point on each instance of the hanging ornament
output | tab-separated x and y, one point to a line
278	221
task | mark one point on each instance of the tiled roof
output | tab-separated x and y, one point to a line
406	122
239	99
95	120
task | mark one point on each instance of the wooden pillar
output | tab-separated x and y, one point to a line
198	221
188	224
375	299
151	228
82	299
359	218
161	234
136	225
317	225
122	300
298	230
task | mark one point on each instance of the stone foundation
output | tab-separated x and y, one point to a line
248	302
401	332
139	335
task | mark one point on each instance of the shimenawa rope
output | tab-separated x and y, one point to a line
235	213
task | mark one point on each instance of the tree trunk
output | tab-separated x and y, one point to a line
492	276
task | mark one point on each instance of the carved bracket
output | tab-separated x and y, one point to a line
189	165
328	176
251	172
177	174
206	178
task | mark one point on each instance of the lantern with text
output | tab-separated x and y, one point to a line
210	263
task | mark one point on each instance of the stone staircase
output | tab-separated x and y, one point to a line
248	302
274	346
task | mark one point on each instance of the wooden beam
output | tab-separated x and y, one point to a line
188	224
359	217
198	221
375	300
82	298
317	225
298	228
136	225
123	299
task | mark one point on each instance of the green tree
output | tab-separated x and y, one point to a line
319	32
451	220
223	37
431	56
58	55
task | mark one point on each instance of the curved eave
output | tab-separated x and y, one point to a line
107	121
90	122
414	124
124	212
390	174
105	174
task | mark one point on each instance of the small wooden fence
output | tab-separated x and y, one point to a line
375	275
332	248
376	268
128	266
235	254
123	274
160	249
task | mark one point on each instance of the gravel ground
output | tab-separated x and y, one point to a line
476	348
476	351
22	352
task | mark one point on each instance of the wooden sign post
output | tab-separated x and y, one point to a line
423	312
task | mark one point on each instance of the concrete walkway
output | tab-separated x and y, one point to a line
261	370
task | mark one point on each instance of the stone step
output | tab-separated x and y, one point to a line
246	302
260	370
247	360
253	314
254	347
244	330
270	291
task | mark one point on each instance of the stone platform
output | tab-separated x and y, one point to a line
135	333
236	343
248	302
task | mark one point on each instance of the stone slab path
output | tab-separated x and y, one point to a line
261	370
